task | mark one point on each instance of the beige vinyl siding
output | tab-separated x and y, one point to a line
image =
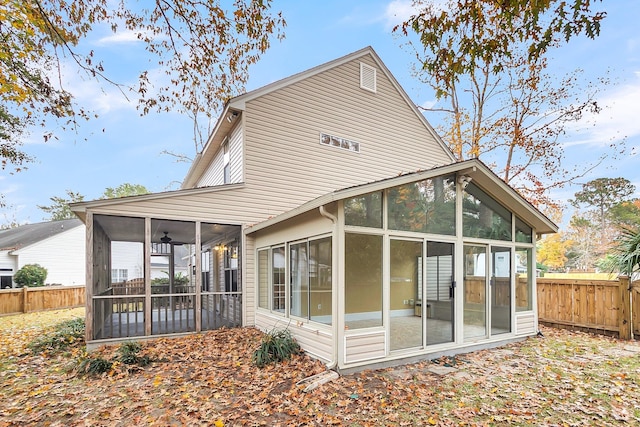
248	280
236	205
526	324
316	341
235	155
284	156
363	347
214	175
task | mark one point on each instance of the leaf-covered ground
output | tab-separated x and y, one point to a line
563	379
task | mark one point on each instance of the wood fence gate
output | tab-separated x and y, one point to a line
611	307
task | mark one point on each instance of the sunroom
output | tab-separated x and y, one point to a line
197	289
434	262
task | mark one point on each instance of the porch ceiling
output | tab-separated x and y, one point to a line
131	229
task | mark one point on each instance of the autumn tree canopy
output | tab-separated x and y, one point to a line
59	208
203	48
602	194
486	60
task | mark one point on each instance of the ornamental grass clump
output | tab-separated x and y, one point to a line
276	346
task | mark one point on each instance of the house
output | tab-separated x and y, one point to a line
59	246
325	203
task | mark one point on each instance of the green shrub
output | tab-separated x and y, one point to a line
179	279
95	366
276	346
64	335
30	275
128	354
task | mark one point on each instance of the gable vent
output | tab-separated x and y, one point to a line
367	77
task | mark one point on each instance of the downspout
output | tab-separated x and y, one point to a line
332	364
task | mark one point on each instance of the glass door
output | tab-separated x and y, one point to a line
405	325
439	304
475	292
500	290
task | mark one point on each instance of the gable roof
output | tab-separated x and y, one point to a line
479	172
235	106
27	235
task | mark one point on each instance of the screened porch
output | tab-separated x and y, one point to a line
157	277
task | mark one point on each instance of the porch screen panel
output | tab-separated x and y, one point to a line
118	289
363	280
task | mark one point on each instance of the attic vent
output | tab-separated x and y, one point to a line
367	77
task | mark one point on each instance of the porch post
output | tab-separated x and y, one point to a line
624	314
147	276
198	278
88	286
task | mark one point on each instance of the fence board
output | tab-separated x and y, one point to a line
590	304
24	300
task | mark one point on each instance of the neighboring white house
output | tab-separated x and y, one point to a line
327	204
59	246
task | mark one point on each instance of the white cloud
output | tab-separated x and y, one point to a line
429	104
618	119
125	36
397	12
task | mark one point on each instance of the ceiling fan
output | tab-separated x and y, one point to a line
166	238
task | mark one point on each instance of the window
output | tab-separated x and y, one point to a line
524	233
263	278
278	284
483	217
364	211
206	270
336	141
231	267
119	275
310	277
226	161
363	280
427	206
524	279
299	264
6	282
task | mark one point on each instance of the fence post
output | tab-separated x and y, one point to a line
624	314
25	299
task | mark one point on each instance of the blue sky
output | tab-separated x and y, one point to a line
122	147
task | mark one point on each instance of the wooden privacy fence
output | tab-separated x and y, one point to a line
608	306
39	299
